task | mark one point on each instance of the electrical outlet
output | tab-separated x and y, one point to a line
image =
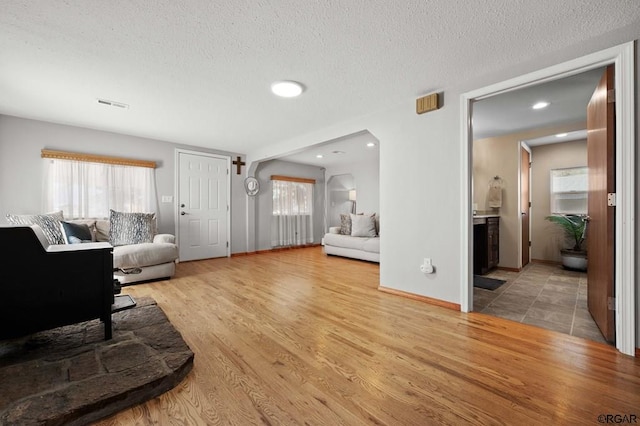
426	266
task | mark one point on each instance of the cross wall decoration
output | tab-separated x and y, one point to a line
238	163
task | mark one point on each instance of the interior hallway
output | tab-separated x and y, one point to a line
543	295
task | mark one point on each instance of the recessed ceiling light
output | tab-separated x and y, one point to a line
319	156
371	144
540	105
561	135
287	89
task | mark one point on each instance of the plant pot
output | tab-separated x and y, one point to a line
574	260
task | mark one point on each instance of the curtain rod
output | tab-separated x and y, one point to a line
92	158
292	179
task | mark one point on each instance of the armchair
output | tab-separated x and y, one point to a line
47	286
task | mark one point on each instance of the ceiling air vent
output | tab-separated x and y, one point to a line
113	103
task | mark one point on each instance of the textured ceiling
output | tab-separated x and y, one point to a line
198	71
512	111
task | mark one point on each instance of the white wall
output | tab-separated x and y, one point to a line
264	199
21	141
366	180
337	195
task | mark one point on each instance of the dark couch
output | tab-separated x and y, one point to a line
46	286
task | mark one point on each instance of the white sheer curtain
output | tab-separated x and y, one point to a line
88	190
292	223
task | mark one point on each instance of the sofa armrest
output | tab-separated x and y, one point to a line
64	248
164	238
334	229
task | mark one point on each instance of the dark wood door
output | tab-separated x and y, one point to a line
600	228
525	161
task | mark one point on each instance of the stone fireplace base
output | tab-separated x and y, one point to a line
71	375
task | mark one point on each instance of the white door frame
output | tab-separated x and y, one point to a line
176	211
622	57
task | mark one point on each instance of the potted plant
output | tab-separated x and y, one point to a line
574	227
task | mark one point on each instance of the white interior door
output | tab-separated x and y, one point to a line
203	206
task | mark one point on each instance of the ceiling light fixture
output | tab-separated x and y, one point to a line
371	144
319	156
287	89
540	105
561	135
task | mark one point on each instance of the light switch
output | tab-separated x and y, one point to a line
167	198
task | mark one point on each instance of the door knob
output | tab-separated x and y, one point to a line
181	205
182	213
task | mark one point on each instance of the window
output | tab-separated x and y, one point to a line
89	186
292	222
569	190
292	198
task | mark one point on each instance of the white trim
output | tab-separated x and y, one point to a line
179	151
625	282
623	58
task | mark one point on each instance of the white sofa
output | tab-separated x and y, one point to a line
363	248
138	262
154	257
340	242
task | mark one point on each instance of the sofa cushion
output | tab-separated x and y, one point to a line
363	225
75	233
143	254
345	224
102	230
91	223
49	223
372	245
131	228
356	243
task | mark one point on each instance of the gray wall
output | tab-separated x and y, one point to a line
366	180
338	187
21	167
264	199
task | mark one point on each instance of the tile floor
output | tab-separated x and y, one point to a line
546	296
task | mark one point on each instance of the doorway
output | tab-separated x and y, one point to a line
203	205
623	58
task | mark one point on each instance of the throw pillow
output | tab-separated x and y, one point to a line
345	224
75	233
363	225
131	228
50	224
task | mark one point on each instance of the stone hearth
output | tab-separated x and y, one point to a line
71	375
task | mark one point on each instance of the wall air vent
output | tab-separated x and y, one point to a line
113	103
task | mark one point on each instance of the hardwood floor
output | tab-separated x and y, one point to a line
296	337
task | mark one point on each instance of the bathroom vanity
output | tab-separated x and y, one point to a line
486	243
